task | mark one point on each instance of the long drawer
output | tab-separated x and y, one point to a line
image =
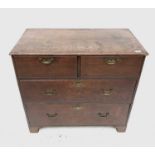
81	114
107	91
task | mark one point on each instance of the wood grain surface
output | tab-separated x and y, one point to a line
78	42
105	91
32	67
70	115
74	77
96	66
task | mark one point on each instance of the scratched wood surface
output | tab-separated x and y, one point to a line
78	42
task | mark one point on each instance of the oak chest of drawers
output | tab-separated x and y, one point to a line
78	77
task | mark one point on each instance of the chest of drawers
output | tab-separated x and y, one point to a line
78	77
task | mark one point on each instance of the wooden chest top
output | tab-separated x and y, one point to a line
78	42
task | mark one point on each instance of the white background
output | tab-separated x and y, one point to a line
77	3
13	125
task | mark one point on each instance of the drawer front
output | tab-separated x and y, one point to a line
110	66
46	66
74	91
82	114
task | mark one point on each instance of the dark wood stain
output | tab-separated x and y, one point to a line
75	91
78	77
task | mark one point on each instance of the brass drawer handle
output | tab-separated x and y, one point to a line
79	84
78	107
107	92
51	115
112	61
50	92
105	115
46	61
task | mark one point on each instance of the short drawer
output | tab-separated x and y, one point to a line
83	114
46	66
110	66
114	91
